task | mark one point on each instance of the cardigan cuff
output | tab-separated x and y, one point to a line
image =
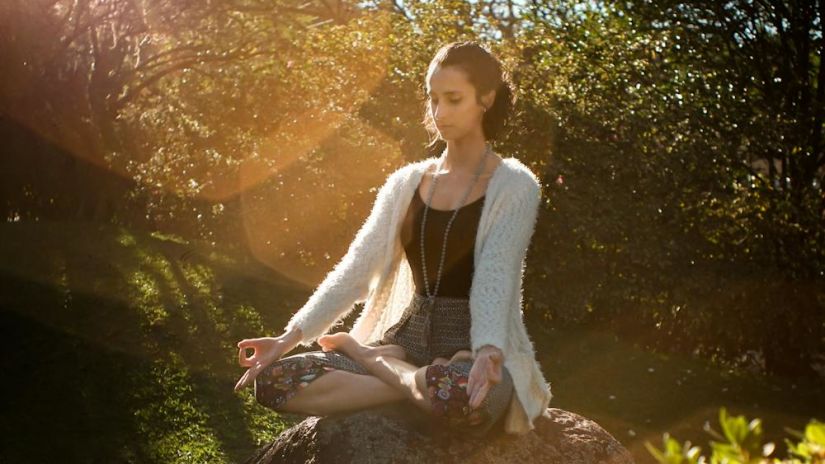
307	337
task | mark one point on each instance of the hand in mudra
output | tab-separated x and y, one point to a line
485	373
265	351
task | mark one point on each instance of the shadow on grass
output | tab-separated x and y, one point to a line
121	347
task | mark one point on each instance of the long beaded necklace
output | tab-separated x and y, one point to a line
481	164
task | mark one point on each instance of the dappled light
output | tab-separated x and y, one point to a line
154	319
169	414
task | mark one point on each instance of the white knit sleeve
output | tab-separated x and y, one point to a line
498	273
348	282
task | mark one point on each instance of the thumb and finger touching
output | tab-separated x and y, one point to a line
253	362
248	376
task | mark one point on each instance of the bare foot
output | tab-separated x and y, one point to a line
458	356
440	361
461	355
394	351
343	342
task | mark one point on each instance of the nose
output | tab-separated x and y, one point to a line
438	115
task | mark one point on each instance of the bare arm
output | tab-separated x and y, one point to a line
291	338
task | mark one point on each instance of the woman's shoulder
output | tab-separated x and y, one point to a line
417	165
519	175
398	178
406	170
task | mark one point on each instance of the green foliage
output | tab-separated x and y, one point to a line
811	447
675	453
744	445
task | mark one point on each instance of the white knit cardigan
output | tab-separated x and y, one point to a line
375	271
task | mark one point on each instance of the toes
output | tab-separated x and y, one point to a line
462	355
330	339
327	342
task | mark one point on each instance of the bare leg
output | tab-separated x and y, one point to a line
327	343
341	391
399	374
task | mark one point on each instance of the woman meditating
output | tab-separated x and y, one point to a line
438	265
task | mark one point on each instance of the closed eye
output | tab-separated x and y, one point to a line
435	102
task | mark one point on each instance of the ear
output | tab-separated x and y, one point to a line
488	99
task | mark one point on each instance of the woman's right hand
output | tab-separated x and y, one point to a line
265	351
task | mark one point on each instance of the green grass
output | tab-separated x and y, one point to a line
120	347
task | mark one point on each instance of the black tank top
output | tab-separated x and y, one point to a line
457	275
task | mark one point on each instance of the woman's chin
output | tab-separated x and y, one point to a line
447	134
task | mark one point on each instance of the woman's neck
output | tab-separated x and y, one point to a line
463	156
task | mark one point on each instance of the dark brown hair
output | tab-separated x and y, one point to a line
485	72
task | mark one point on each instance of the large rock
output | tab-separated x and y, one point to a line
400	433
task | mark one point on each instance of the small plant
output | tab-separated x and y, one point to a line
742	443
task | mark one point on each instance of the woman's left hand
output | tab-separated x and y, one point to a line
485	373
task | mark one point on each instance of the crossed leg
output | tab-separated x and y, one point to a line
399	374
340	391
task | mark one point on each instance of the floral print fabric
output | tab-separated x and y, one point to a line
284	378
447	390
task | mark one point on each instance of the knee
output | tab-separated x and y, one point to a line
266	393
446	389
279	382
421	380
449	401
